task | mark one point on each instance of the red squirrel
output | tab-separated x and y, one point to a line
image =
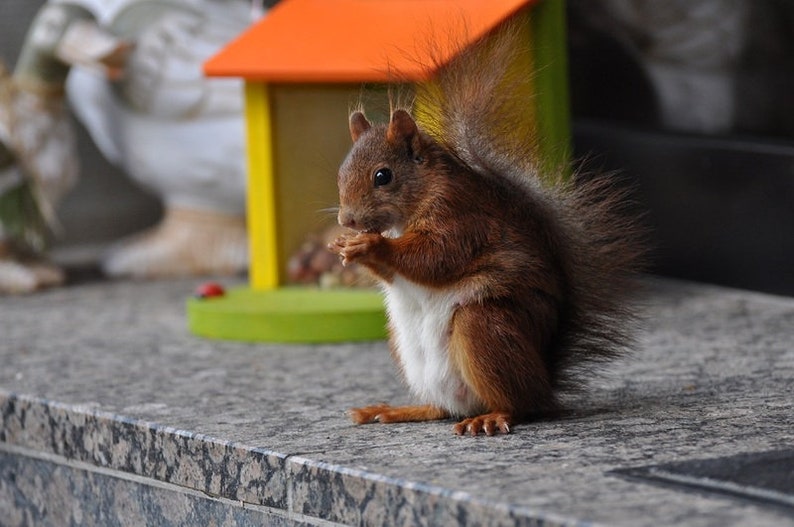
503	285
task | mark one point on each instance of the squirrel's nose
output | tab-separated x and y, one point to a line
347	219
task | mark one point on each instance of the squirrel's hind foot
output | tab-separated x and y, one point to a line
383	413
489	424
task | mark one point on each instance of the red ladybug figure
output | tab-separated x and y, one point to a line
210	290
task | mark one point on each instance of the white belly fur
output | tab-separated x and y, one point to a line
420	319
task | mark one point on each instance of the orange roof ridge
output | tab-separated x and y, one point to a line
357	40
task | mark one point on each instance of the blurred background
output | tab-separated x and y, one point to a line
691	100
105	204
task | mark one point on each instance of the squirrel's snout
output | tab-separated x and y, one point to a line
347	219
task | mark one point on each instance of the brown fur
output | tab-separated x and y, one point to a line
543	265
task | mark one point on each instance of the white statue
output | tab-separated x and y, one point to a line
174	131
38	159
136	83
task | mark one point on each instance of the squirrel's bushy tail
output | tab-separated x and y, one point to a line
603	251
479	108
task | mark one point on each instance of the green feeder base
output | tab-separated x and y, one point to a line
290	315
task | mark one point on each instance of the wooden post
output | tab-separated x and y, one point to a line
261	194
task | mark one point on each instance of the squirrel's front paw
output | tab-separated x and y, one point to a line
354	248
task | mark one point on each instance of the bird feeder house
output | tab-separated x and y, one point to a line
304	65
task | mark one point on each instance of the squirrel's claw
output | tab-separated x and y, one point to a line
489	424
338	246
353	248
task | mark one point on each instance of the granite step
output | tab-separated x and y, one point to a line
114	414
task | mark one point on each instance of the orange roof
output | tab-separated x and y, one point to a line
356	40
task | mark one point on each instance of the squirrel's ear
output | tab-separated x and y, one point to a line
402	127
358	125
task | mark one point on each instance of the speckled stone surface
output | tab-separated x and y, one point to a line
64	495
102	387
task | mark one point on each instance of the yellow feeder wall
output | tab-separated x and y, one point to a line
297	138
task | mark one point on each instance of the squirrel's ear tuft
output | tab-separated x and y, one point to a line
402	127
358	125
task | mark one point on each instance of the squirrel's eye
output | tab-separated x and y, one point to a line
382	177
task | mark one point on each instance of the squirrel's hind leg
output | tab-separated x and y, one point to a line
383	413
496	345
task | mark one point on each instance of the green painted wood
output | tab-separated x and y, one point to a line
290	315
